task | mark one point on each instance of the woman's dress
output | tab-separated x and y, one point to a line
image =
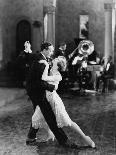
62	117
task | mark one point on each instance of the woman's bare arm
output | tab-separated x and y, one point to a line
45	75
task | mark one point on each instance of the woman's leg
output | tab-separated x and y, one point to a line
87	139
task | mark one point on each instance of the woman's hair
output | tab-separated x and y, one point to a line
62	64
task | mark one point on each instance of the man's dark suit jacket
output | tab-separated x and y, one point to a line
111	71
34	84
61	52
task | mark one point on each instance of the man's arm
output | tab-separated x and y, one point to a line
45	85
47	77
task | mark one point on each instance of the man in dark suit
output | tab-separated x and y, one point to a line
106	74
36	90
62	50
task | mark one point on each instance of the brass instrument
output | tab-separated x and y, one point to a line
85	48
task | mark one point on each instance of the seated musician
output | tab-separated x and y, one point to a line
106	74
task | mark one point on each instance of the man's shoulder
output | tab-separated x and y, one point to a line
35	57
36	62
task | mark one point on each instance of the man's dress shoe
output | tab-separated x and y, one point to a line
31	141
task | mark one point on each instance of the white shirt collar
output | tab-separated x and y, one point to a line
43	55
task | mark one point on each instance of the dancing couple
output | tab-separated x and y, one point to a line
49	110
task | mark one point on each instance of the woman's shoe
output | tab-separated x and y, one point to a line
90	142
93	145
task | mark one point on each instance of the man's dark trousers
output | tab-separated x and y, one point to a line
49	117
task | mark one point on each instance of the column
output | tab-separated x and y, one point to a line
49	24
37	35
109	26
1	48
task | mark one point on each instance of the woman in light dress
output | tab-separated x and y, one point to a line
62	117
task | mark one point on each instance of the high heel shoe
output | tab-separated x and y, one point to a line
90	142
93	145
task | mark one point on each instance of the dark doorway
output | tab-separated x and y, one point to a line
23	33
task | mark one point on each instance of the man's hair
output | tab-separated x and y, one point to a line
45	45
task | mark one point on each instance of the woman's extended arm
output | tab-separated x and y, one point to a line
48	78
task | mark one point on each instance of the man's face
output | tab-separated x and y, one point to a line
50	51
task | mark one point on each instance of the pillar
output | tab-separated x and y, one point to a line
109	30
1	48
37	37
49	24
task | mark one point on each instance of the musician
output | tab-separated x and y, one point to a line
61	50
106	74
73	66
83	78
78	56
92	57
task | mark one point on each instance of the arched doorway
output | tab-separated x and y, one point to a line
23	33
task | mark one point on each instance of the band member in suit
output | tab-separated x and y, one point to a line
61	50
107	73
92	56
36	89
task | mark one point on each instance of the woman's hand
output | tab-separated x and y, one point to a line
44	62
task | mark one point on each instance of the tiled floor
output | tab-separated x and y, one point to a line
94	113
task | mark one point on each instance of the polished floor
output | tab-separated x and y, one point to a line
94	113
